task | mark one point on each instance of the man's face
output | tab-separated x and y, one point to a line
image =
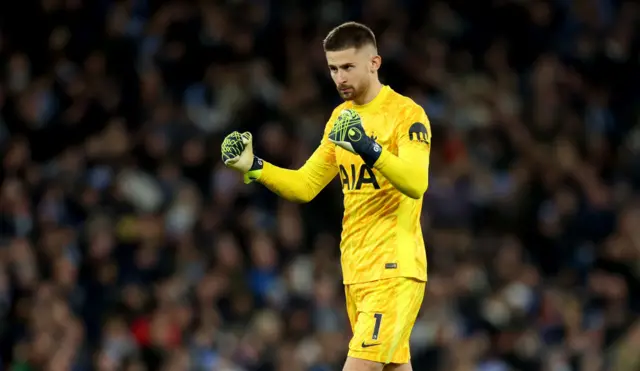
351	71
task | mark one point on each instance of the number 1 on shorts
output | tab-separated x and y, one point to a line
376	326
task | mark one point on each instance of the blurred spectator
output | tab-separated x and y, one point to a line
126	245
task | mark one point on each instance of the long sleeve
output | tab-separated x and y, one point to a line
304	184
408	172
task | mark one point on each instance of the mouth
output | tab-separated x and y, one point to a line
345	90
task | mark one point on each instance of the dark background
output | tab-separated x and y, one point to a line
126	245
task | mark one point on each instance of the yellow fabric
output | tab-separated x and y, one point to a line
381	233
408	172
304	184
382	326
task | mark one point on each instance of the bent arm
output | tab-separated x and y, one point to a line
304	184
408	172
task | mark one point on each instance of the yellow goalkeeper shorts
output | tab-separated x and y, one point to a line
382	314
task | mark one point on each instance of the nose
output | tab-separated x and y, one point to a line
341	77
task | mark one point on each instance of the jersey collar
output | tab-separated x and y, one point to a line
375	102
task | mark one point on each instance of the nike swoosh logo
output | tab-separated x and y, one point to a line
368	345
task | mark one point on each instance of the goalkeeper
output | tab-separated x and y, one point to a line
378	142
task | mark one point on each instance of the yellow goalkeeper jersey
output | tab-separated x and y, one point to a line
381	232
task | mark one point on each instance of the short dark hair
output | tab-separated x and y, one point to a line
349	35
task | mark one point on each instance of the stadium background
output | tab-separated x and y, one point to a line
125	245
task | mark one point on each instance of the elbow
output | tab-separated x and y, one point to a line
301	200
414	194
418	190
302	197
299	193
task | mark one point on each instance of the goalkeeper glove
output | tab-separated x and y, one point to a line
237	154
348	133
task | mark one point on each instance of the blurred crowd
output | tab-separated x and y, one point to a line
126	245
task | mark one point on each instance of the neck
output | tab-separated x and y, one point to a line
369	94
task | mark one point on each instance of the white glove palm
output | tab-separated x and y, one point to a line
237	151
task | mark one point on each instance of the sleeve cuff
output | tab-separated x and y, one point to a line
382	159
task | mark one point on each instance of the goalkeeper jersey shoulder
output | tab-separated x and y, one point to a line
413	128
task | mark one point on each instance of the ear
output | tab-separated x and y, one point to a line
376	62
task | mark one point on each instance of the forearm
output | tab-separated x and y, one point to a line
285	183
304	184
409	177
294	185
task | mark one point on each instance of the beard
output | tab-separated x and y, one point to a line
347	92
